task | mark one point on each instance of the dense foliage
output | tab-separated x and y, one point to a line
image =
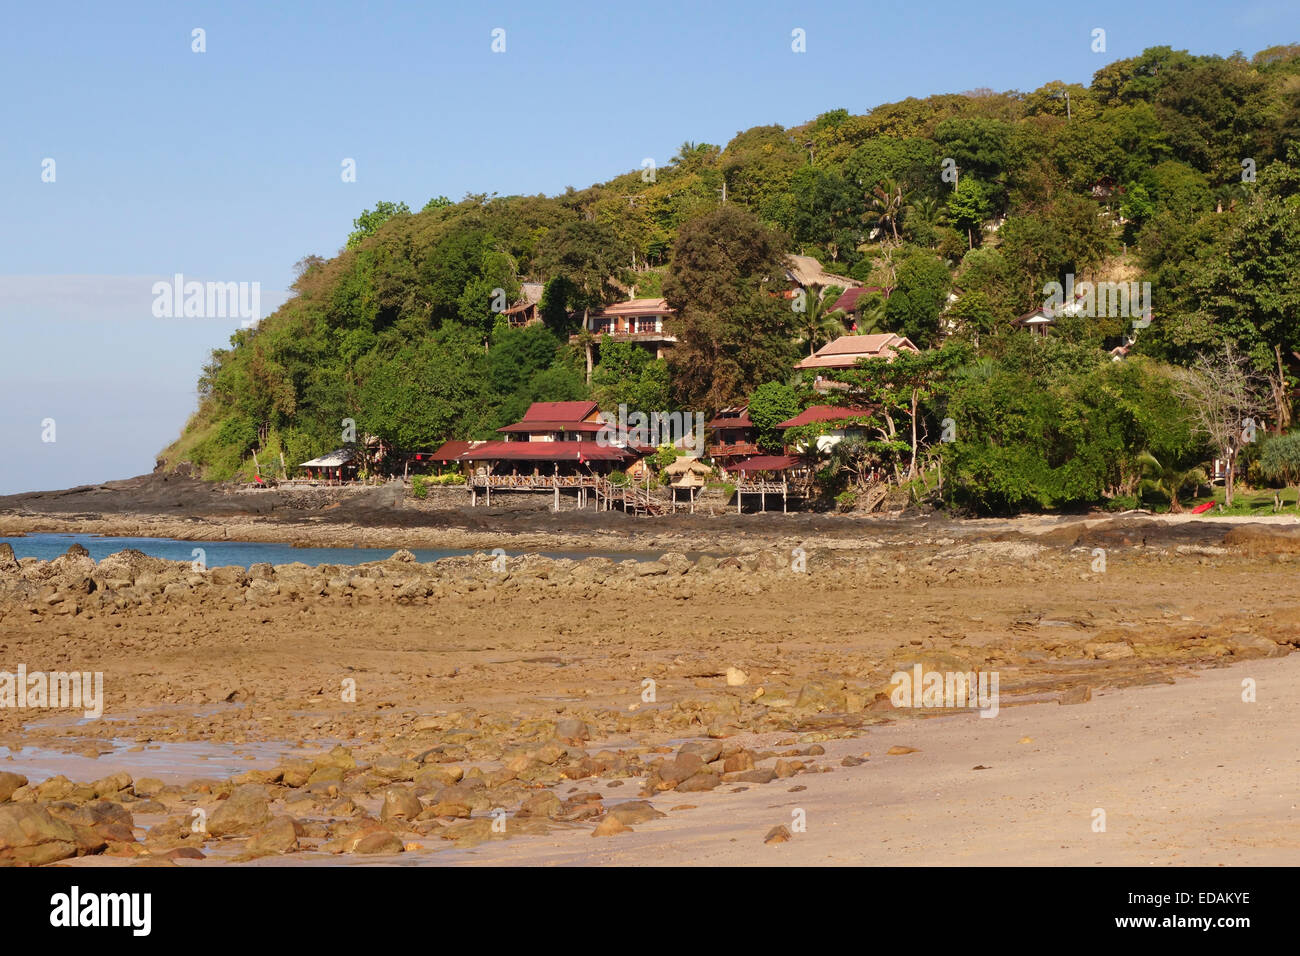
1172	168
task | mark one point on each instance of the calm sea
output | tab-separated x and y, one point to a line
247	553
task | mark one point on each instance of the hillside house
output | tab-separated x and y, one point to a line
642	321
526	311
845	352
852	300
838	423
804	272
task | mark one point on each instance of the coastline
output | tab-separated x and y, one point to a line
387	711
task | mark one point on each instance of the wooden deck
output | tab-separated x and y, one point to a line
785	489
590	488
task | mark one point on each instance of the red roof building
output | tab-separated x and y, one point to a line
733	435
762	463
558	421
553	438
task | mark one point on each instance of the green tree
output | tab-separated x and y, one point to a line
732	333
816	318
592	258
1279	460
969	204
1168	480
914	307
368	223
770	404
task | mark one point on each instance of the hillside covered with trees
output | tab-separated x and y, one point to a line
1170	168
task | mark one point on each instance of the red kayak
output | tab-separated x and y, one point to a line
1201	509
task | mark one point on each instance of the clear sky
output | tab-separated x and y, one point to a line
225	165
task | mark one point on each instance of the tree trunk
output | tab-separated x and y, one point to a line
1230	466
587	332
1281	401
911	468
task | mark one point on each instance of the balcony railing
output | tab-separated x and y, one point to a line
730	449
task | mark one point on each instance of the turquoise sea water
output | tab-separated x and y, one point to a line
246	553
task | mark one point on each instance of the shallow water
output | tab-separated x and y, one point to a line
170	762
247	553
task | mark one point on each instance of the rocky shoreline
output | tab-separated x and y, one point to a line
472	723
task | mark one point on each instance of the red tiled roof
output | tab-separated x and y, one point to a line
447	451
636	307
554	425
766	463
545	451
824	413
848	300
559	411
845	351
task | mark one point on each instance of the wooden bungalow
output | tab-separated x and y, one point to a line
527	310
339	465
733	436
805	272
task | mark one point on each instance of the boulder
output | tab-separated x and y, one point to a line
28	834
400	803
279	835
9	782
244	811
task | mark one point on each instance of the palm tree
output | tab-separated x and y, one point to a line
871	315
1167	479
820	321
885	204
925	211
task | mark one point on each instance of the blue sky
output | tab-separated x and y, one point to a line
225	165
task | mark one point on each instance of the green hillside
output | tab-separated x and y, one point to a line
1171	168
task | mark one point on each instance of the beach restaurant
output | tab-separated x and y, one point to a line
556	445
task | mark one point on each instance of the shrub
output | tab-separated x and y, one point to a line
846	500
419	486
618	478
